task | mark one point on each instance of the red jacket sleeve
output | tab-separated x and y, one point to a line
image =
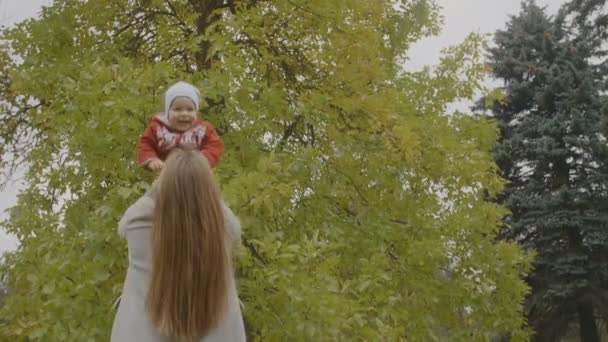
146	146
212	146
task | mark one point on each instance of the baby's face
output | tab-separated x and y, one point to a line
182	114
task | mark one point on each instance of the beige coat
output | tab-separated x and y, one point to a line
131	323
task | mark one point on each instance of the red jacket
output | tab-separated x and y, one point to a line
158	139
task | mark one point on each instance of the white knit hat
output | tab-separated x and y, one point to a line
181	89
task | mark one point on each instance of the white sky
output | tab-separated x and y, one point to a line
461	18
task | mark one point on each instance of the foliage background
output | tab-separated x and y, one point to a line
364	207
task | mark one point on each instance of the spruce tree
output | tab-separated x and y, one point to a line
553	153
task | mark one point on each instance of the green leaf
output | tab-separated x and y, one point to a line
48	288
32	278
124	192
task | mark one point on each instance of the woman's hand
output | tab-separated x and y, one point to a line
156	165
187	145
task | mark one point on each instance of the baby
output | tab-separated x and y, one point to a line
179	125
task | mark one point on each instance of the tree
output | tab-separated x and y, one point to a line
353	188
587	23
590	19
553	153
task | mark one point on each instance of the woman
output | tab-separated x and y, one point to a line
180	285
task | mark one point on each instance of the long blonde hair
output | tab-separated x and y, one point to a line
191	262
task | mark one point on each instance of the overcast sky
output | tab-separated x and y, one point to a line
461	18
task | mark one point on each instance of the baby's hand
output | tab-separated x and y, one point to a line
156	165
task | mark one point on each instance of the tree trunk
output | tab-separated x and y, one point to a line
587	323
205	9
